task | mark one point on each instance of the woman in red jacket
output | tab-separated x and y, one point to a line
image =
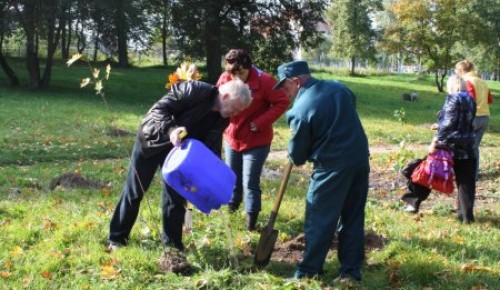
247	140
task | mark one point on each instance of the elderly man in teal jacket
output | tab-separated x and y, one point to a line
327	132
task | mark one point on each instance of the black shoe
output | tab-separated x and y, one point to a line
252	221
232	208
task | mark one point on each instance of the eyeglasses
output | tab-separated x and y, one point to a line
231	60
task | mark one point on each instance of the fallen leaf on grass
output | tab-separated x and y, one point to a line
49	225
57	254
109	272
7	264
480	287
473	268
46	275
16	251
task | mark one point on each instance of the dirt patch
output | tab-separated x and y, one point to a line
116	132
291	251
174	261
75	180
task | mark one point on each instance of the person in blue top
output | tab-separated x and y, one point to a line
327	132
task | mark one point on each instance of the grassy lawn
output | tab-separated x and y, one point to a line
56	238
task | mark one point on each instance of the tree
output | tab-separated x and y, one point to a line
429	28
353	37
482	41
39	19
162	11
6	26
271	30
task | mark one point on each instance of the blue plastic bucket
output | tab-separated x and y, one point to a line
199	175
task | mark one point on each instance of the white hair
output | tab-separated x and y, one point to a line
455	84
237	89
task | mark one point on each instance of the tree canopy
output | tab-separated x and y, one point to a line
436	33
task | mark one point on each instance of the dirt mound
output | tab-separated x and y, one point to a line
116	132
75	180
174	261
291	251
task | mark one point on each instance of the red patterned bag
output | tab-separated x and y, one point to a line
436	172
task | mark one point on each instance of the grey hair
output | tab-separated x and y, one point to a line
237	89
455	84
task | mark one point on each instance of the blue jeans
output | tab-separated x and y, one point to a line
480	126
248	166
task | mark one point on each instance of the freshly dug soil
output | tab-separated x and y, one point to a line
174	261
291	251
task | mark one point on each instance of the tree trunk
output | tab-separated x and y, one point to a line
439	83
65	25
121	33
14	81
213	41
52	41
353	65
29	20
96	46
164	35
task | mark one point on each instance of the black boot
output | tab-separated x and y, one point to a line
232	207
252	221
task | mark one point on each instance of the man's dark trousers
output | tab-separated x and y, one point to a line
140	175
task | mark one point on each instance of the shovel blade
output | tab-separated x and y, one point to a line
265	247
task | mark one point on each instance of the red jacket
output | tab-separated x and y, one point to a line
266	107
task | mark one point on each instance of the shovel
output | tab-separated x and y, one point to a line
268	235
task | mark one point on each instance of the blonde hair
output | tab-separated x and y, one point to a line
466	65
455	84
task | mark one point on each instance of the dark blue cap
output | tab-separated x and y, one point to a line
291	69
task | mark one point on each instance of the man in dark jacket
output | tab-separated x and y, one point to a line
193	106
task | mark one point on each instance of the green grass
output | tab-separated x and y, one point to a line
56	239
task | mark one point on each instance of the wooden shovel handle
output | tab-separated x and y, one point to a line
277	201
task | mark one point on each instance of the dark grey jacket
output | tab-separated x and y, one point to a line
187	104
455	125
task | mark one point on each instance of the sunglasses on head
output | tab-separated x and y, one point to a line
231	60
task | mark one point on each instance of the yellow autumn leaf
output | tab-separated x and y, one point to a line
108	70
110	262
185	72
172	79
473	268
109	272
7	264
49	225
95	73
243	243
87	225
16	251
84	82
46	275
205	242
5	274
98	87
74	58
57	254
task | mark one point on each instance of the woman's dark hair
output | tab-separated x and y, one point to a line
237	59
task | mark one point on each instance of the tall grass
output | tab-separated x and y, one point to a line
56	239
